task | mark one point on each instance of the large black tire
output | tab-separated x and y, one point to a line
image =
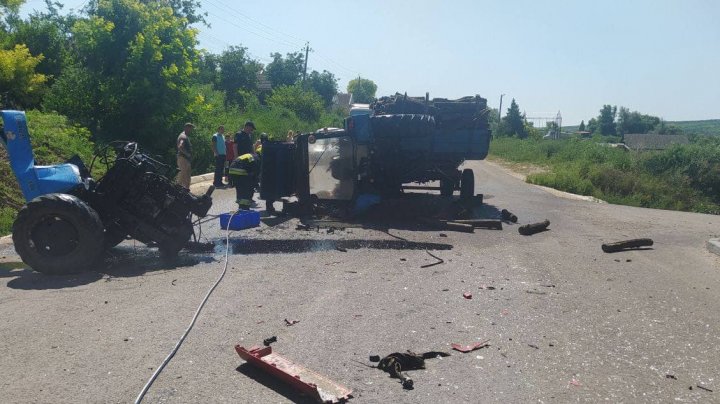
447	187
467	184
402	125
58	234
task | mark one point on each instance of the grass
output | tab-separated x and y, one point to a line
685	178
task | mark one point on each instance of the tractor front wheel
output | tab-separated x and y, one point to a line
58	234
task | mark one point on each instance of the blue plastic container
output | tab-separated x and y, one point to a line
244	219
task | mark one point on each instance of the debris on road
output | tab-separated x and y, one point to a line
627	245
486	287
467	295
508	216
530	229
268	341
669	376
535	292
439	260
291	322
471	347
341	249
448	225
397	363
491	224
319	387
704	388
575	382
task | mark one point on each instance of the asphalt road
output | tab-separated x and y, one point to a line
566	322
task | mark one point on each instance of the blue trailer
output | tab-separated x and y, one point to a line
396	144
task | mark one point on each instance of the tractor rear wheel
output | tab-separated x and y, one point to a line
58	234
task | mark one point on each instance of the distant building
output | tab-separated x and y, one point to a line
649	141
263	84
341	99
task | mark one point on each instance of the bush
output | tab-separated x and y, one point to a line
684	177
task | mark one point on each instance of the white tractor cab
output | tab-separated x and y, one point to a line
360	109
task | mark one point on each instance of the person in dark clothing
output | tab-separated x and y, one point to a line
243	140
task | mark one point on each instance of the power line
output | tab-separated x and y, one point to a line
255	30
260	23
273	32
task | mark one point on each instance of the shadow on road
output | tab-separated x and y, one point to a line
273	384
270	246
120	262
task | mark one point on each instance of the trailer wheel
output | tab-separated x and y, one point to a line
58	234
447	187
467	184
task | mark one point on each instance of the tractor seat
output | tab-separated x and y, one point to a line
34	180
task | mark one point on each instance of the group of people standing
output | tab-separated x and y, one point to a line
237	159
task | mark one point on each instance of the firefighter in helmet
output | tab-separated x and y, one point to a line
244	171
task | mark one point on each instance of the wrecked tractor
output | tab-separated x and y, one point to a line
70	219
397	143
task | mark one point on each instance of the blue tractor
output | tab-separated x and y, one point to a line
395	144
70	219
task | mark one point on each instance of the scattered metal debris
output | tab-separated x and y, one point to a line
530	229
440	260
449	225
704	388
626	245
533	346
508	216
268	341
491	224
535	292
471	347
291	322
397	363
312	384
669	376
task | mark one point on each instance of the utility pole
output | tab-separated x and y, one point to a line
500	109
307	51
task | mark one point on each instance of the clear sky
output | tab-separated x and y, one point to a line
659	57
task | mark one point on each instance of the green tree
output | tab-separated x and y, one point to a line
324	84
362	90
237	72
8	10
606	120
285	71
21	86
513	123
306	104
209	69
592	125
47	34
581	128
140	59
635	122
